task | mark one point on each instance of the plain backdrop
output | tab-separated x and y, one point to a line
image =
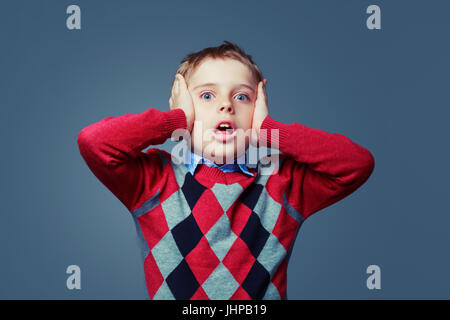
387	90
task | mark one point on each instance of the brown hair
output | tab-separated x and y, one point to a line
225	50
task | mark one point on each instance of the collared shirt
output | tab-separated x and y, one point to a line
195	160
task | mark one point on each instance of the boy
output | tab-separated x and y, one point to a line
213	228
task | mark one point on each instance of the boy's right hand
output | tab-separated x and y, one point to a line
181	99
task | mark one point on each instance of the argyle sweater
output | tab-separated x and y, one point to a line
214	234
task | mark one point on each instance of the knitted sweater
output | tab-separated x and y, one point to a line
214	234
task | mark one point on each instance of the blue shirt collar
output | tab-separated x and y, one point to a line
195	160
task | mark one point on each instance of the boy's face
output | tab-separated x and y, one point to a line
222	90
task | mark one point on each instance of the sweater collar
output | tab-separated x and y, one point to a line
193	160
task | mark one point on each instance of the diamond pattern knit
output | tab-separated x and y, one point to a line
216	235
218	238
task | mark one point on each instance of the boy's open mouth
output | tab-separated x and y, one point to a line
225	131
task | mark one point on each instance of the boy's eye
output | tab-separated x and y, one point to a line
206	95
209	96
242	97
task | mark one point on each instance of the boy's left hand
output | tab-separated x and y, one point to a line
261	110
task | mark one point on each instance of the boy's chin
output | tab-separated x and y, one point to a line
223	154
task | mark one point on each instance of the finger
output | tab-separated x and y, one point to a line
183	84
260	90
264	89
176	90
179	84
257	92
174	84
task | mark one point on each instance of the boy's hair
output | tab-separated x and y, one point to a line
225	50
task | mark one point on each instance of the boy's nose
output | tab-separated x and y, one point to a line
226	108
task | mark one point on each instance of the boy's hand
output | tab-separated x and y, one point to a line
261	109
181	99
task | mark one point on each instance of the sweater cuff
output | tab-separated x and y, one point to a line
174	119
274	134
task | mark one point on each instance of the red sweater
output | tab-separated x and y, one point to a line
219	235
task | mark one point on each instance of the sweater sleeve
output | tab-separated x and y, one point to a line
322	167
112	149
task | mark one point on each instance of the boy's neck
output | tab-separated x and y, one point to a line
236	160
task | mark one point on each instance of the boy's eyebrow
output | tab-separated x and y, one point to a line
211	84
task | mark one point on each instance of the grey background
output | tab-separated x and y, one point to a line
387	90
